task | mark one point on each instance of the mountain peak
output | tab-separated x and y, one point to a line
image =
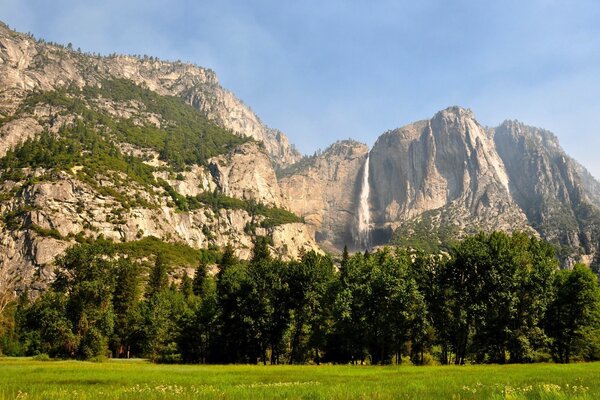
519	129
455	112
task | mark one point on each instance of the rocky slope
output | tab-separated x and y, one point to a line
127	148
27	65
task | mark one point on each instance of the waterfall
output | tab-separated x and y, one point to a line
364	215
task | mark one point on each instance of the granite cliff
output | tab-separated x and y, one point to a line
324	190
127	148
132	148
437	180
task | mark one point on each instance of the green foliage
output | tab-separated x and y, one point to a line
174	254
200	279
14	219
160	325
82	146
311	286
375	307
85	276
126	301
53	233
273	215
491	297
425	234
276	216
218	201
573	321
495	298
185	137
186	286
158	280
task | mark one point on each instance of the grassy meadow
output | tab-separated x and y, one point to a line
29	379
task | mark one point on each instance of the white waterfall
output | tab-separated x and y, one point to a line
364	215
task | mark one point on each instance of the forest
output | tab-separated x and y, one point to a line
492	298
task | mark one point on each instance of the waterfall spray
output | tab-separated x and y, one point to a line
364	215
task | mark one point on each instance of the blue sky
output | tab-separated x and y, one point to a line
327	70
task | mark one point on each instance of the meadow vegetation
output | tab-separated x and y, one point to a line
135	379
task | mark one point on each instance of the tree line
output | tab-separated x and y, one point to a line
494	298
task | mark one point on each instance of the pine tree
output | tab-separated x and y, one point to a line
186	286
158	279
200	277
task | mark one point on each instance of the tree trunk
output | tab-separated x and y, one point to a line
317	356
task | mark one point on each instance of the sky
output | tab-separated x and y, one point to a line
326	70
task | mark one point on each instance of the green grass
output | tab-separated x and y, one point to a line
138	379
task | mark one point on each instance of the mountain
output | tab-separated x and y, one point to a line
558	195
434	181
32	65
157	157
136	150
324	189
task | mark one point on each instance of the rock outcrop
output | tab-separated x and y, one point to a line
446	163
324	190
246	173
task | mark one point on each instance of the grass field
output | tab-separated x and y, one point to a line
28	379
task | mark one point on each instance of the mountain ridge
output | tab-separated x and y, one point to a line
159	149
128	149
463	177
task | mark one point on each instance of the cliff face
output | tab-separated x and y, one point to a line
447	177
447	162
246	173
455	173
324	189
558	195
114	165
27	65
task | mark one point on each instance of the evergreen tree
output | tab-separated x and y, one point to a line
158	280
261	250
186	287
85	277
200	278
125	303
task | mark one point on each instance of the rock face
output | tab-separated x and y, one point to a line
449	174
324	189
246	173
44	210
27	65
449	164
558	195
